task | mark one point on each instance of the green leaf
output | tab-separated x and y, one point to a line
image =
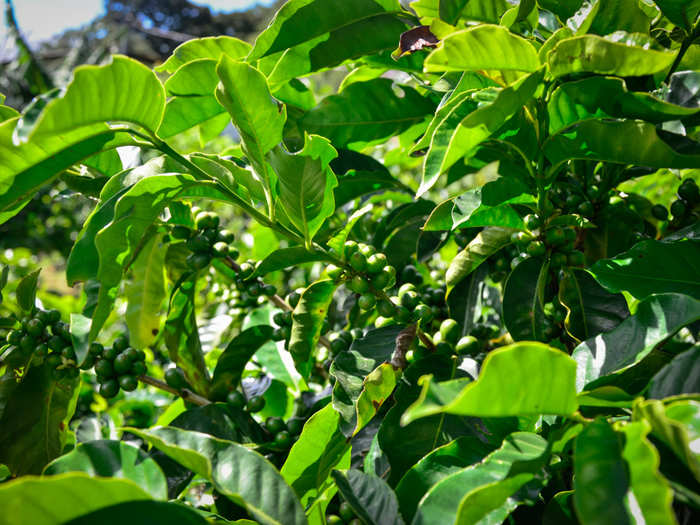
523	299
483	47
595	54
607	97
182	338
299	21
485	244
656	319
376	388
113	459
369	496
680	376
436	466
55	500
351	367
338	240
489	205
145	293
243	91
307	322
478	116
442	502
516	380
489	11
123	90
145	513
320	448
208	47
651	491
683	13
34	416
28	166
192	100
365	112
80	336
653	267
603	18
26	291
305	184
626	142
237	472
379	34
231	363
592	309
601	480
562	8
359	175
677	425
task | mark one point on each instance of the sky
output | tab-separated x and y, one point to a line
41	19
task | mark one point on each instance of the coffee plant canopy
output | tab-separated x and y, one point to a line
434	262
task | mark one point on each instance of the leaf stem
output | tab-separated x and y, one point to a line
185	394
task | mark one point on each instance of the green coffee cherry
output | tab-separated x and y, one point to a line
678	208
386	308
109	388
366	301
122	364
586	209
96	349
376	263
246	270
468	345
293	298
532	222
104	368
424	313
128	383
576	258
198	261
112	352
255	404
659	212
220	249
346	512
206	219
235	399
358	284
295	426
536	248
558	260
283	439
226	236
450	331
409	299
358	261
138	368
175	378
334	272
349	248
275	424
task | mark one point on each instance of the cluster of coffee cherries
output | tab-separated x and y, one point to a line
206	241
117	367
42	337
685	209
559	240
250	290
345	516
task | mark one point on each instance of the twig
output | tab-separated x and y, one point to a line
185	394
403	343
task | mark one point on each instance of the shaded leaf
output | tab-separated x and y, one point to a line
113	459
369	496
523	299
26	291
208	47
680	376
143	513
376	388
237	472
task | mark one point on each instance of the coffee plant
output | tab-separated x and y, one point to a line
432	262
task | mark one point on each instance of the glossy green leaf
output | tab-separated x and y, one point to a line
338	240
603	18
523	299
516	380
651	491
440	463
113	459
181	336
320	448
485	244
492	501
360	174
192	101
237	472
450	10
305	184
55	500
307	322
208	47
489	11
595	54
379	32
483	47
243	91
653	267
26	291
599	97
376	388
28	166
122	90
442	502
465	127
624	142
562	8
656	319
489	205
351	367
677	425
34	416
299	21
144	513
231	363
592	309
369	496
434	397
145	293
683	13
365	112
286	257
80	336
601	480
680	376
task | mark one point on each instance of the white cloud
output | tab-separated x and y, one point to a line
41	19
231	5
